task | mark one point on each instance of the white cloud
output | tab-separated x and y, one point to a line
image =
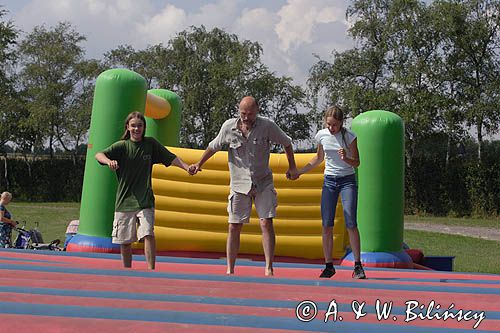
161	27
257	22
331	14
96	7
219	14
299	18
106	24
290	32
85	12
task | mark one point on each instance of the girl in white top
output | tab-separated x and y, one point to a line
338	146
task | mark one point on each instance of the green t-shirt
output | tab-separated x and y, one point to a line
135	165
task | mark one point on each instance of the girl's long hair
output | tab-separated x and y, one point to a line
131	116
337	114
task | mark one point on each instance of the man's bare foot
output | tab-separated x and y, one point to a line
269	272
230	272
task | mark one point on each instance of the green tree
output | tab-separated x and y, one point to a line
435	65
470	30
414	55
279	100
211	71
8	100
149	62
358	79
355	80
57	82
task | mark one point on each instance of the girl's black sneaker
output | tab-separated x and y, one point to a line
327	272
359	272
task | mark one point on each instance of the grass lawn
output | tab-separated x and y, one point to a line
53	218
457	221
471	254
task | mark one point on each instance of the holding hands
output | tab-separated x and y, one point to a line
315	161
293	174
194	168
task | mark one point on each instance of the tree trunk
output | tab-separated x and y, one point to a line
410	150
28	164
6	173
479	128
51	143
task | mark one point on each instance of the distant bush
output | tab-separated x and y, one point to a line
463	188
38	180
466	187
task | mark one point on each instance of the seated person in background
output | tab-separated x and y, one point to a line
6	224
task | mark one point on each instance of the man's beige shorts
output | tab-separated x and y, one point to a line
239	206
128	227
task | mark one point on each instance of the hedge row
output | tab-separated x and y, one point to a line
42	180
463	188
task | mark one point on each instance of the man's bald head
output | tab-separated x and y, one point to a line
248	110
248	102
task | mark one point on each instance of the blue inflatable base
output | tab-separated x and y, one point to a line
381	259
86	243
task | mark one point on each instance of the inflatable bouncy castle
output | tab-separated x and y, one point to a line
191	216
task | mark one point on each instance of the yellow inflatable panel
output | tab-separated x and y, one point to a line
191	211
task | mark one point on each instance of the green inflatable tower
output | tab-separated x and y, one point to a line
166	132
118	92
380	138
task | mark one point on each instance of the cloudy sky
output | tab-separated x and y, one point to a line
290	31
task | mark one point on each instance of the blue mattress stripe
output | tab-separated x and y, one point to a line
366	284
208	261
231	301
216	319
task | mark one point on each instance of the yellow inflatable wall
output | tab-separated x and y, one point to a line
191	211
